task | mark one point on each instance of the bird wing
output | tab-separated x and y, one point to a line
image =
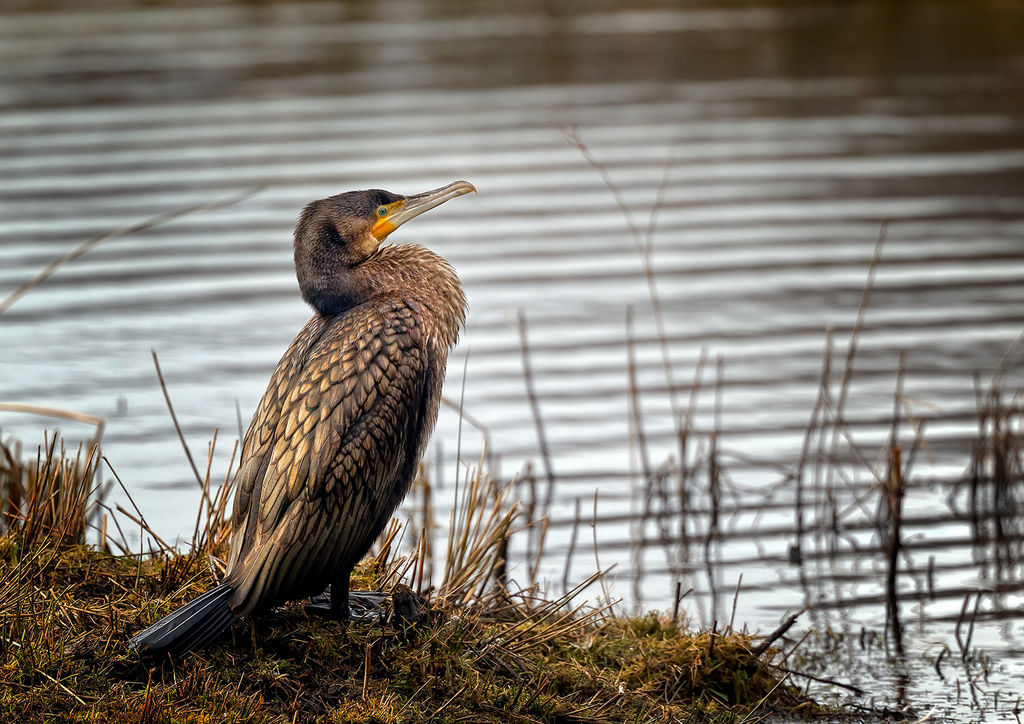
340	444
259	438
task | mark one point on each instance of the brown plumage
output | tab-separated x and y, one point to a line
334	444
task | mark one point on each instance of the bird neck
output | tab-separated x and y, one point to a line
410	272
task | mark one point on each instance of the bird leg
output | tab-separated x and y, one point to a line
344	605
337	607
339	597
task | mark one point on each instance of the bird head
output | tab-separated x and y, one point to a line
337	234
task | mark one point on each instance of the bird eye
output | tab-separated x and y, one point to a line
382	211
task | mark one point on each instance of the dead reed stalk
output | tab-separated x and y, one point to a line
152	222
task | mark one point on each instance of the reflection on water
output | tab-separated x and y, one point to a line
761	147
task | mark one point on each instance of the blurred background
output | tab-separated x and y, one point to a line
676	201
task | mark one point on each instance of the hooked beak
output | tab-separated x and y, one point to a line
413	206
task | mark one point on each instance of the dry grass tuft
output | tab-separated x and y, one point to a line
46	499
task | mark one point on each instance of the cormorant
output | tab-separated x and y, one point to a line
334	444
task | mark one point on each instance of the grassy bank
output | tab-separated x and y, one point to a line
479	650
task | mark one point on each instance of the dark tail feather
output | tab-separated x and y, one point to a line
195	624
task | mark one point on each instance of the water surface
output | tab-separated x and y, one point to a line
770	140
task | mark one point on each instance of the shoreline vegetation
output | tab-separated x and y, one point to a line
475	648
458	640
